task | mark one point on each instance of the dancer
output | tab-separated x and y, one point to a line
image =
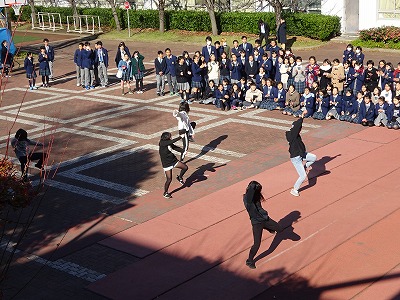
298	153
185	127
169	161
259	218
21	143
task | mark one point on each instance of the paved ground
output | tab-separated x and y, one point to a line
104	172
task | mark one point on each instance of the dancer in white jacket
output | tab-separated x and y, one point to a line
185	127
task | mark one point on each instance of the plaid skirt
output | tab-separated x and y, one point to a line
125	76
183	86
300	86
31	75
139	75
44	72
196	84
289	81
318	115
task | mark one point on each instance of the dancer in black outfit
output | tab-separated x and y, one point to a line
259	218
169	161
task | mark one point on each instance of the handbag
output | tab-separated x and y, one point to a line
119	73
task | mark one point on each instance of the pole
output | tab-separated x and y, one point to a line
129	25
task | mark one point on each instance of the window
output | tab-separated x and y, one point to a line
389	9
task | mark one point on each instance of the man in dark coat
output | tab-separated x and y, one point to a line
263	30
281	33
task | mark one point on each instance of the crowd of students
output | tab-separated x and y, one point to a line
269	77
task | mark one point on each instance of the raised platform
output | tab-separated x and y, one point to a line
340	238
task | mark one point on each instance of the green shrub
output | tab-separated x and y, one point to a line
309	25
383	34
189	20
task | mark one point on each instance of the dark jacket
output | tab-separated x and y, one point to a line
88	59
29	66
296	145
6	56
368	114
160	66
50	53
182	73
97	56
168	159
78	57
118	56
251	70
256	213
137	65
43	62
266	28
206	54
281	33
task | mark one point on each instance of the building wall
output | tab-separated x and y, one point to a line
334	8
369	16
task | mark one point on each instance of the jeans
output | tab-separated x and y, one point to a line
298	164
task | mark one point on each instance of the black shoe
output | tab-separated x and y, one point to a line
38	166
191	139
167	195
250	264
180	179
158	94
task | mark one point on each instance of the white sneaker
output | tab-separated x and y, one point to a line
78	84
294	192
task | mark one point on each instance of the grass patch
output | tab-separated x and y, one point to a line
373	44
24	38
190	37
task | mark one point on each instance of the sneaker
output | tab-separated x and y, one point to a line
140	92
158	94
171	93
180	179
167	195
191	139
87	88
78	84
294	192
162	93
250	264
31	88
38	166
34	88
201	102
130	92
91	87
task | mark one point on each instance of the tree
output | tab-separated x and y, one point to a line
113	4
161	14
277	6
210	5
33	11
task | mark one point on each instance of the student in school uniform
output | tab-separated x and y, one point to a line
281	33
359	56
371	76
197	80
259	218
78	65
272	46
260	75
224	67
6	60
213	69
348	82
29	66
263	29
381	112
222	97
101	62
235	49
335	105
121	51
337	75
355	117
236	69
257	57
348	54
394	114
279	101
298	154
299	77
137	70
209	93
169	161
182	75
50	57
88	58
218	50
44	70
160	67
359	76
125	67
324	72
246	47
321	105
367	111
236	98
209	49
243	60
387	93
270	93
307	104
259	48
349	106
387	75
292	102
171	61
251	68
272	64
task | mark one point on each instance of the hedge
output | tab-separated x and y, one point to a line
309	25
385	34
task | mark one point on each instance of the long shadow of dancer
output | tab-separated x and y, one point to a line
212	145
286	234
318	169
199	174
